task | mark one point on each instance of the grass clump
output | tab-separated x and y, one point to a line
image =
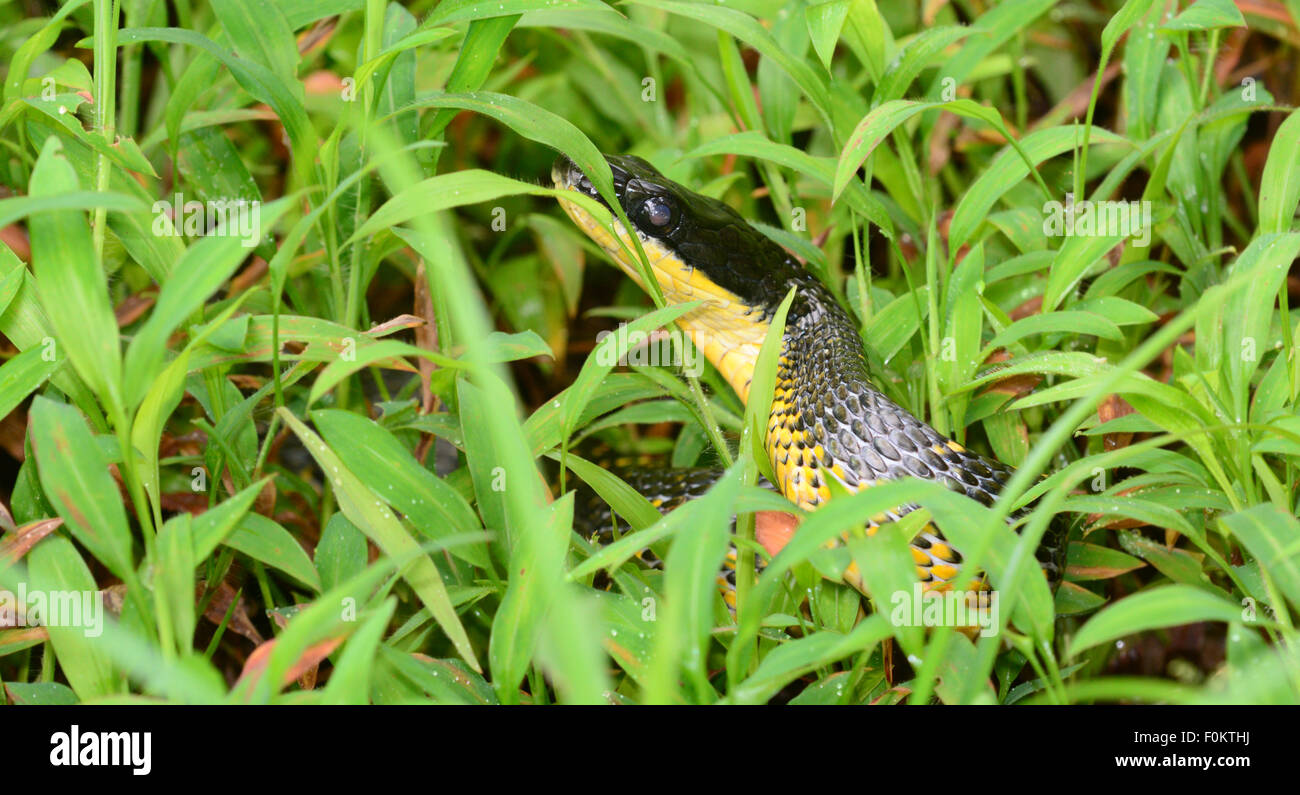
295	332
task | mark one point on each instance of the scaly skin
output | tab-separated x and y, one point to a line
827	417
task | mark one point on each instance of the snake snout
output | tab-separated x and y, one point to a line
568	176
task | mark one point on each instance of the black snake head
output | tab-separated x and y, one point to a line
699	246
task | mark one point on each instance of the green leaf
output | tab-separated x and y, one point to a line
378	522
536	568
796	658
35	45
1074	599
456	189
163	397
461	10
884	562
825	21
1273	537
1163	606
1124	19
762	387
1279	187
175	581
387	353
607	353
74	475
265	540
341	553
261	33
1093	562
324	618
350	680
915	56
755	145
281	93
1207	15
38	693
22	375
72	282
55	568
622	498
991	30
25	323
534	123
1076	257
213	525
1009	168
1069	322
1248	313
200	271
747	29
389	470
570	649
690	586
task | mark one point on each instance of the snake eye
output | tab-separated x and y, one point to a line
657	211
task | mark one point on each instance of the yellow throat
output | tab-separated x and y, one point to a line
723	328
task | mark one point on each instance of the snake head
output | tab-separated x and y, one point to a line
698	246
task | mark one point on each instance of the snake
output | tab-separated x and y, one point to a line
828	419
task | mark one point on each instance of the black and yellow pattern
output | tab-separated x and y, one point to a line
665	489
827	419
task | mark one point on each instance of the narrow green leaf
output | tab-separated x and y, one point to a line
350	680
1273	537
56	568
22	375
265	540
1164	606
1279	187
375	519
72	283
74	475
1207	15
391	471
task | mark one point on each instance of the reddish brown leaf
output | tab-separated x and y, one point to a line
257	268
132	308
1113	407
16	544
219	605
399	322
13	432
1117	522
426	335
15	237
774	529
1015	385
256	664
21	636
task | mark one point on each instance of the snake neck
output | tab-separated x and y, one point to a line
828	420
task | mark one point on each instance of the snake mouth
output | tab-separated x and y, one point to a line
724	327
612	236
568	176
679	280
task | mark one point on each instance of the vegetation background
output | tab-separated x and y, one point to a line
321	467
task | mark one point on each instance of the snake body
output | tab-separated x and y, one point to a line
827	419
